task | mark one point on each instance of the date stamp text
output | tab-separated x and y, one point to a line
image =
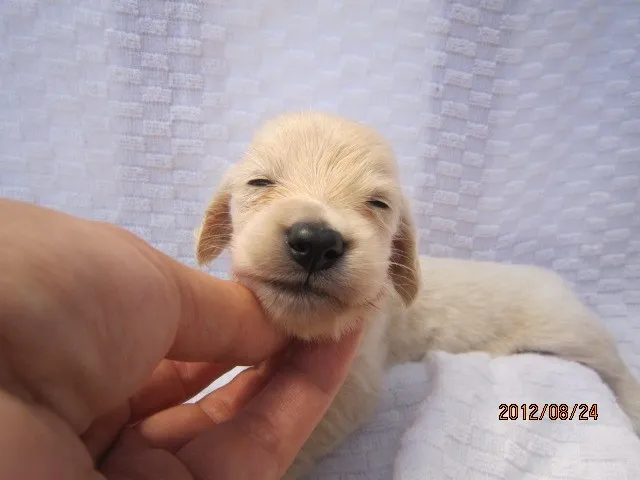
551	411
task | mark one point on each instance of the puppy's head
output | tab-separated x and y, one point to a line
316	224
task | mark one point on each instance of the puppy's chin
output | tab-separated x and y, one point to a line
309	313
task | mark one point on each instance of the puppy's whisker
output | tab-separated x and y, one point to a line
213	244
215	237
398	253
222	232
410	270
404	277
401	289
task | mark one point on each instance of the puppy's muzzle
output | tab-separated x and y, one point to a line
314	246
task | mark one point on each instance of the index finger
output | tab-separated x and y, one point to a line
220	321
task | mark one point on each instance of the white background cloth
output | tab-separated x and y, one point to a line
516	122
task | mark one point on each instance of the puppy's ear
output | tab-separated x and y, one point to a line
405	268
215	231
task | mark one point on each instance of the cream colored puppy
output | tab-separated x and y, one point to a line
319	229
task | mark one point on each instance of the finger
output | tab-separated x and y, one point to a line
173	428
105	328
220	321
217	320
173	383
274	425
104	430
132	459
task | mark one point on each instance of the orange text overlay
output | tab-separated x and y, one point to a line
550	411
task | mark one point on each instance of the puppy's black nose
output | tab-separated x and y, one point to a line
314	246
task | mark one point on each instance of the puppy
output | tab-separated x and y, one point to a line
319	230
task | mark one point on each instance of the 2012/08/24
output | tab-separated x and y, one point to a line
552	411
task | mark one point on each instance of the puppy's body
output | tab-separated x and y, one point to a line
321	170
472	306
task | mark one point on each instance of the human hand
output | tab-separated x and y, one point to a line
102	338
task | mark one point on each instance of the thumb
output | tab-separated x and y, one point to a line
263	439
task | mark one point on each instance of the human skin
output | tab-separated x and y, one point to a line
102	339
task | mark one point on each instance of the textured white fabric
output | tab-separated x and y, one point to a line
516	122
440	421
458	433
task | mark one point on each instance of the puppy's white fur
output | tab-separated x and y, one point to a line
323	168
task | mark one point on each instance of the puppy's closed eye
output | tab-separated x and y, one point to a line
260	182
378	204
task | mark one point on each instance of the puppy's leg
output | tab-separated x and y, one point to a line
353	404
590	344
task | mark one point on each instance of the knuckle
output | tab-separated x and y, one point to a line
261	430
217	409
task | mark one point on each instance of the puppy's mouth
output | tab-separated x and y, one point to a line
300	290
